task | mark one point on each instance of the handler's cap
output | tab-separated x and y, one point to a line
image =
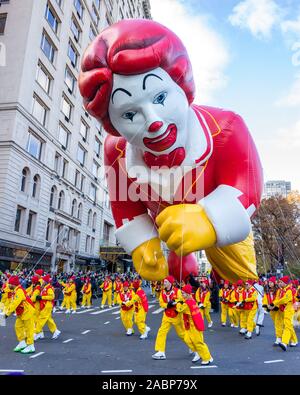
226	282
39	272
188	289
285	279
126	284
34	279
14	280
46	278
239	283
272	279
171	279
136	284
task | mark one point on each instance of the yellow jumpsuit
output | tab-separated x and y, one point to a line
193	338
285	302
126	301
46	307
237	297
167	320
36	292
64	285
107	293
117	290
70	290
224	295
24	326
7	295
275	314
157	290
86	295
139	313
247	315
203	297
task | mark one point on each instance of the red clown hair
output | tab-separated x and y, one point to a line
130	47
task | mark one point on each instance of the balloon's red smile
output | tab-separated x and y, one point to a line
162	142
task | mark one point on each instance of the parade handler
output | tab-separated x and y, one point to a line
107	292
126	301
249	308
140	309
177	172
22	305
168	299
46	299
194	326
87	294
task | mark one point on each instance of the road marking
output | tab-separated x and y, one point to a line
116	371
117	318
68	341
158	311
150	306
116	312
11	370
86	311
37	355
103	311
107	322
275	360
204	367
85	332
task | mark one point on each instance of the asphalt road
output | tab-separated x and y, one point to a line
94	342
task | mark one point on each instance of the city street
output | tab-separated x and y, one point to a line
94	342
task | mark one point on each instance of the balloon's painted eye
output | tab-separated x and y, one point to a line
129	115
160	98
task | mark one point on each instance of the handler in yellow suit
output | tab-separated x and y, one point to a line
194	326
117	289
7	294
107	292
271	293
224	295
64	286
140	309
126	301
24	309
169	297
237	298
249	309
70	295
202	297
285	302
87	294
36	291
46	299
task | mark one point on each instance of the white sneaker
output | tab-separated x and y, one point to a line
277	341
38	336
243	331
148	329
144	336
28	350
210	324
235	326
68	311
248	335
88	307
207	362
293	344
223	324
129	332
191	351
102	307
56	334
73	311
21	346
159	355
109	306
54	309
257	330
232	326
196	357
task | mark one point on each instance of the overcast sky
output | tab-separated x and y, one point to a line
246	57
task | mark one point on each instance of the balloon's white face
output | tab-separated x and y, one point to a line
150	111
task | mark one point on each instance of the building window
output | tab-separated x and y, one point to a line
106	232
77	179
81	153
92	33
93	192
72	54
95	15
48	47
25	176
3	18
31	223
49	230
19	218
74	208
34	146
89	219
59	2
75	29
39	110
94	220
67	108
79	212
70	80
61	200
51	18
53	197
65	169
84	130
95	169
98	147
57	160
82	183
43	78
36	186
63	136
92	245
79	8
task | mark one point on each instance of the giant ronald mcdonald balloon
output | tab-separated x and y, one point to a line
180	173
